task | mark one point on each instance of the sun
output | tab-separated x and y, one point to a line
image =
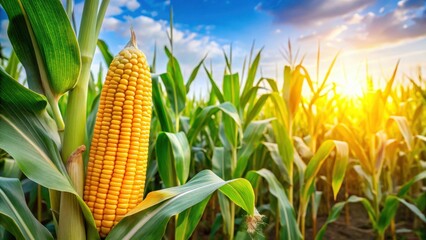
350	88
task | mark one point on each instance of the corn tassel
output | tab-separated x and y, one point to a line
118	155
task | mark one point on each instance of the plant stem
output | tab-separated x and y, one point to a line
375	179
71	221
76	110
302	216
290	169
231	230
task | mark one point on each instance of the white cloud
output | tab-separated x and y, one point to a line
188	47
116	7
355	19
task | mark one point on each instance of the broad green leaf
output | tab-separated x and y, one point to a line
281	110
149	219
337	209
248	96
251	74
194	74
45	43
251	139
285	146
414	209
389	211
103	47
174	83
173	157
225	211
254	112
160	108
188	220
276	157
204	116
31	129
231	89
15	215
9	168
287	215
339	170
30	137
221	161
230	131
404	189
215	88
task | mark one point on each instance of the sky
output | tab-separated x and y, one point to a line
373	33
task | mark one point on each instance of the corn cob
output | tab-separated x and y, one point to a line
117	164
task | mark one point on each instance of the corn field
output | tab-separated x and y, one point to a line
134	156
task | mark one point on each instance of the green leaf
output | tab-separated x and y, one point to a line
31	129
231	89
248	96
404	189
189	219
149	219
173	157
252	137
288	223
251	74
15	215
194	74
160	108
225	212
285	145
389	211
254	112
103	47
276	158
281	109
204	116
339	170
45	43
221	161
215	88
337	209
9	168
29	135
173	81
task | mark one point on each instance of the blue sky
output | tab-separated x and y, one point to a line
365	31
